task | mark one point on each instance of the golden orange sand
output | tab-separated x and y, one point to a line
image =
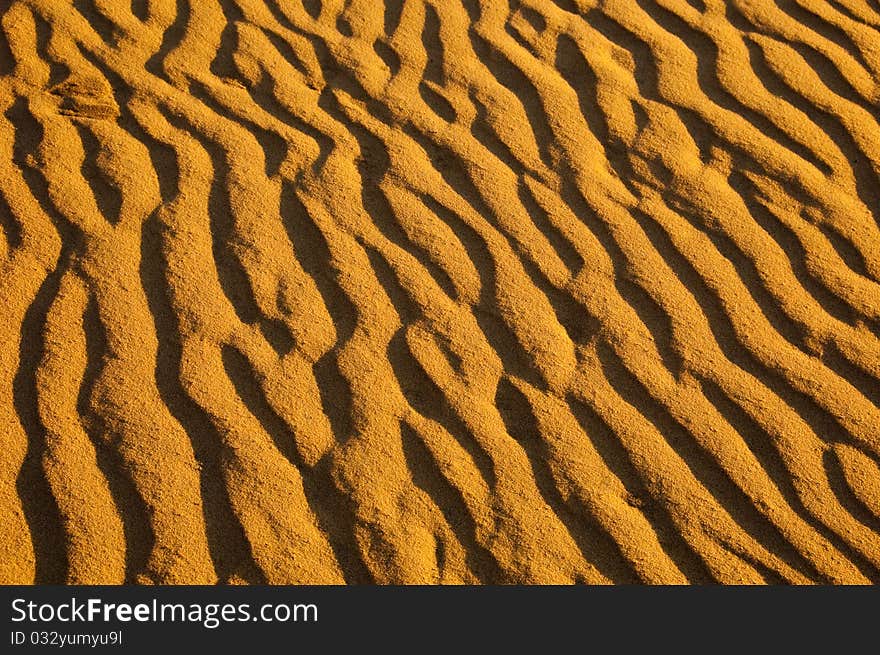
440	291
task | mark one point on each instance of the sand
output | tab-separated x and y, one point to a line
440	291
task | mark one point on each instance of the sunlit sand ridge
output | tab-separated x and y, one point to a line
440	291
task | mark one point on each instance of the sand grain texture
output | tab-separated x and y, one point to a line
440	291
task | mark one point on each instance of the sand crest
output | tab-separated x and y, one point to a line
440	291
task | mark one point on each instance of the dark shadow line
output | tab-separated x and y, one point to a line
557	240
706	52
333	509
163	157
791	245
846	250
425	397
104	27
140	9
108	196
420	391
826	30
313	253
871	5
227	544
793	330
133	511
223	63
433	47
653	315
720	324
855	507
171	40
700	462
273	144
866	180
428	476
852	371
832	77
593	540
11	225
264	96
231	273
8	61
762	447
58	71
483	131
494	327
40	508
618	461
312	7
392	13
388	55
373	164
511	77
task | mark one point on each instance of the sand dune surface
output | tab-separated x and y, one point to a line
440	291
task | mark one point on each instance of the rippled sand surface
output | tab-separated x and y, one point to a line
440	291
